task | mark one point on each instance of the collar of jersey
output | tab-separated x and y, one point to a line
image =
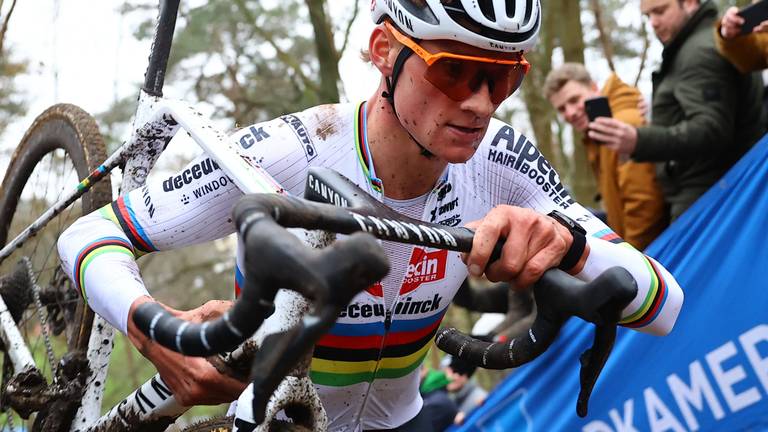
363	151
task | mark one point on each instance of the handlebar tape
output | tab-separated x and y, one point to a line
274	259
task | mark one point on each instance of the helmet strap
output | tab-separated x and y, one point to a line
389	94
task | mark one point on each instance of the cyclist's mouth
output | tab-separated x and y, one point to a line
472	133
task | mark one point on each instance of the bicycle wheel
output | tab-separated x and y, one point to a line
62	146
224	424
215	424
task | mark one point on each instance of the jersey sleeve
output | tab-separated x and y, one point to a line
192	206
537	185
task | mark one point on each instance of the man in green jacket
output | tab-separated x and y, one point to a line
706	114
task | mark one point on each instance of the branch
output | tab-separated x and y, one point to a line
604	39
4	28
644	55
282	55
349	27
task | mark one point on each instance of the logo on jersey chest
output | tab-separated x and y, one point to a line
446	210
424	267
521	155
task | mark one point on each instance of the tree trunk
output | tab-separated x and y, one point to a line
582	181
539	109
327	54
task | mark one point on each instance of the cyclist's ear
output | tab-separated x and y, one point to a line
383	50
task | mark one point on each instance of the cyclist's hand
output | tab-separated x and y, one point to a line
534	243
193	380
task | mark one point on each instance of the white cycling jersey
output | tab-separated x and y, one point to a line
366	367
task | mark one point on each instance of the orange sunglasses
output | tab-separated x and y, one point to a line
459	76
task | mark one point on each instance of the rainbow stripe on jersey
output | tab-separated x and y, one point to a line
354	353
121	213
92	250
657	291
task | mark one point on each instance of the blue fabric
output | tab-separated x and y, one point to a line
710	373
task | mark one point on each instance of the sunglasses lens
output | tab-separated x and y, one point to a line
451	77
459	79
506	80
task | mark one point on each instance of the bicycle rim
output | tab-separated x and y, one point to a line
62	146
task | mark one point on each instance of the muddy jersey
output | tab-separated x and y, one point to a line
366	367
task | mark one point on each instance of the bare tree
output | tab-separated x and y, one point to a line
11	104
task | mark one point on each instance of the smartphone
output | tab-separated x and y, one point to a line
597	107
753	15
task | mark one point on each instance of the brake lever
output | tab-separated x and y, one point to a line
592	362
270	364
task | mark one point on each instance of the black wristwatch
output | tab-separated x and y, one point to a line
579	234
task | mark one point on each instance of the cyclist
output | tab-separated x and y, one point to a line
425	143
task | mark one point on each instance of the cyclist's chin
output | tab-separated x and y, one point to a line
458	152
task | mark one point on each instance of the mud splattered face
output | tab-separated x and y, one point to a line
449	129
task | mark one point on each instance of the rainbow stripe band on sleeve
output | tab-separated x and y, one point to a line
654	300
352	353
609	236
121	213
239	281
94	249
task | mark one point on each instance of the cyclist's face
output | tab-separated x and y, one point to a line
459	74
569	103
450	129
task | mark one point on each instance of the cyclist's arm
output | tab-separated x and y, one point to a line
99	250
659	298
191	206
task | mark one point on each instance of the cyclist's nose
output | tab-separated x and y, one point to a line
479	102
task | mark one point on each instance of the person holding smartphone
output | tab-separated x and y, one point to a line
742	36
706	114
632	200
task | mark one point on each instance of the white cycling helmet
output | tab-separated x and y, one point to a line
497	25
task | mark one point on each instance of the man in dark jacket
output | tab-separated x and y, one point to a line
706	114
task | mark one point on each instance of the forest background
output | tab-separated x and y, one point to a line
243	61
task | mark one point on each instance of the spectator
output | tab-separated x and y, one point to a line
464	390
706	114
747	52
630	195
438	407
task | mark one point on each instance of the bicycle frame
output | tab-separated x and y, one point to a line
156	122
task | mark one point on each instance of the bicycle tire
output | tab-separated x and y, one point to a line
67	139
224	424
213	424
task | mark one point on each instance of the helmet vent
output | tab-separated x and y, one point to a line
511	5
487	9
420	9
457	13
528	11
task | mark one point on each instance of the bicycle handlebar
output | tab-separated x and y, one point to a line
260	218
331	277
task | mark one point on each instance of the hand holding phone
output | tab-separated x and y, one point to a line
753	15
597	107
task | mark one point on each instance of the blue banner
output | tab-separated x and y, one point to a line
709	374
